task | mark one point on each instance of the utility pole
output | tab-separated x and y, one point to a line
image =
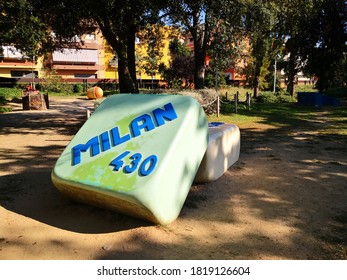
216	85
32	73
275	71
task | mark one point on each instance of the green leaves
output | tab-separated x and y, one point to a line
21	28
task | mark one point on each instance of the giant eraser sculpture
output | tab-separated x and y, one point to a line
137	154
222	152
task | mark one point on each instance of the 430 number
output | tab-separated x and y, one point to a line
145	166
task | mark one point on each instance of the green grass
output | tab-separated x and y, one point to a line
10	93
305	88
288	117
7	94
229	92
5	110
276	116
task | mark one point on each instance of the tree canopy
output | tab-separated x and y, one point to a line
21	29
309	35
209	23
327	60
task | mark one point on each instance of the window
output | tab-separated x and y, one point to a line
23	74
85	76
90	37
76	56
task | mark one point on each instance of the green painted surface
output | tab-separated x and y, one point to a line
178	144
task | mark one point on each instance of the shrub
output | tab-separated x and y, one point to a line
270	97
9	93
2	100
39	87
267	97
77	88
5	110
285	99
226	107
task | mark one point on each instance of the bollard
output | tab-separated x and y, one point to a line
248	100
235	99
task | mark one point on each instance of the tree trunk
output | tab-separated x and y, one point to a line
126	82
200	49
126	62
256	81
131	59
199	70
292	70
124	45
256	87
291	75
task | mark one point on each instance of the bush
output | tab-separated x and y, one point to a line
9	93
226	107
107	85
77	88
285	99
270	97
21	86
58	87
5	110
2	100
267	97
39	87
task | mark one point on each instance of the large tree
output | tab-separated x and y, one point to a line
150	48
21	29
260	22
299	25
202	19
119	22
181	65
327	57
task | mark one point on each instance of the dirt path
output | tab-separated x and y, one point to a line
286	198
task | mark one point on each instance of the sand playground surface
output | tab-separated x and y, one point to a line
286	198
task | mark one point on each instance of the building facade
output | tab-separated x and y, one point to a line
14	65
94	59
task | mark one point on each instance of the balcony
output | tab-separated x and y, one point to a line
74	67
75	56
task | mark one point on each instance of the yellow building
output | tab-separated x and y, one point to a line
83	63
14	65
93	60
110	62
68	63
166	33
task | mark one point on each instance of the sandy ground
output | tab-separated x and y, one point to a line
286	198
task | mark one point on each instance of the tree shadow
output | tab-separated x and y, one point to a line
24	194
30	191
282	194
285	192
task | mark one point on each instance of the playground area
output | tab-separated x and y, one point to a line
285	198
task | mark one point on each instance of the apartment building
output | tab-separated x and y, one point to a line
86	62
14	65
93	59
72	64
